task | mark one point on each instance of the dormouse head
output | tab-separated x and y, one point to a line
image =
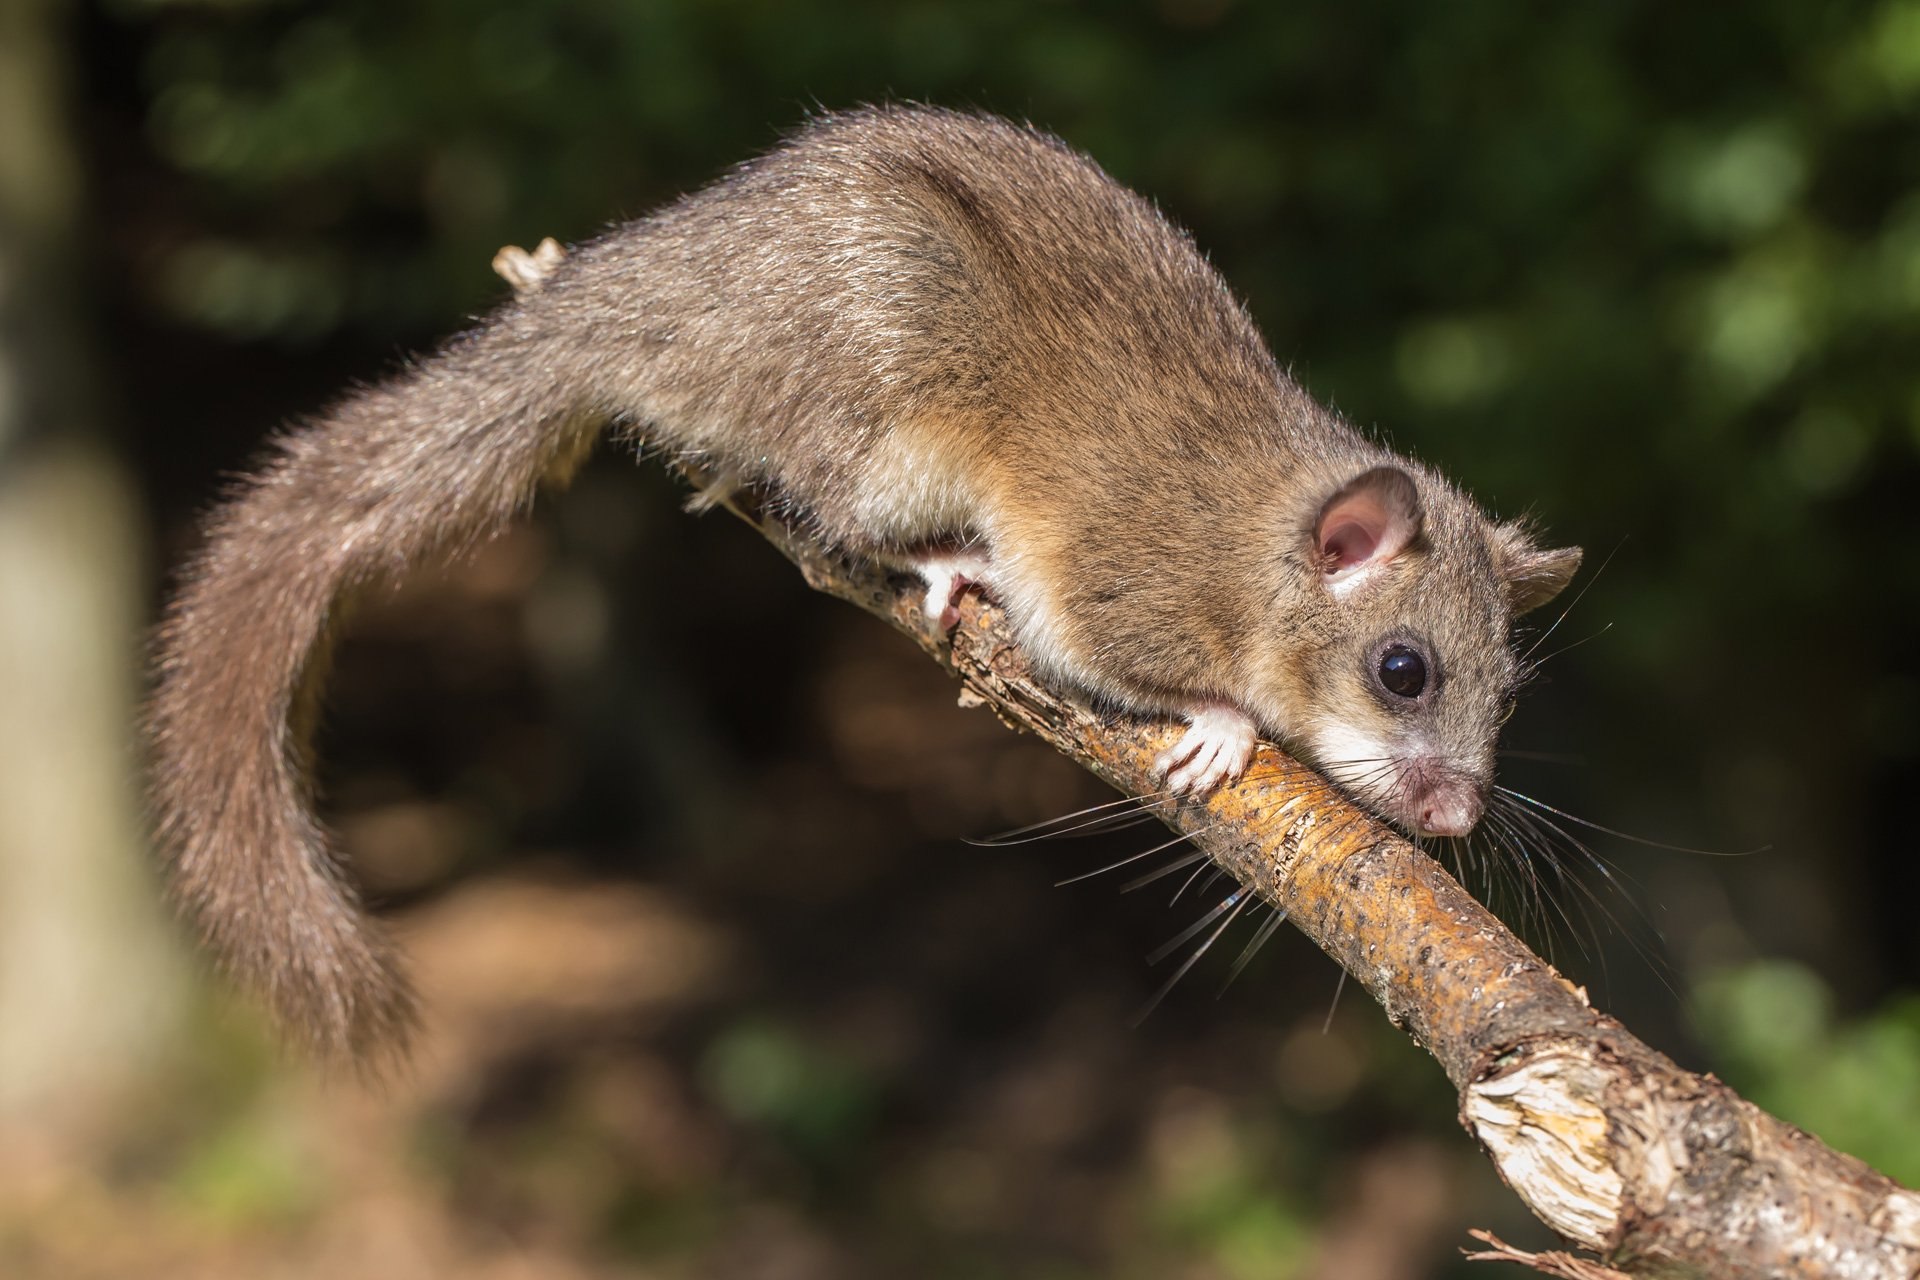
1400	694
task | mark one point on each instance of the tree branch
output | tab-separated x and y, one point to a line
1659	1171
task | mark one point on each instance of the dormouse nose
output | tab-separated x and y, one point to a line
1450	807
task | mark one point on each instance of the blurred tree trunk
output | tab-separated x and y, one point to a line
89	981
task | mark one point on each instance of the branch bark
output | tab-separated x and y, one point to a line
1658	1171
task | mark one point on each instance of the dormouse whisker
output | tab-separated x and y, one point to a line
1130	858
1178	864
1534	664
1573	603
1237	901
1130	810
1622	835
1267	929
1180	939
1212	878
1326	1027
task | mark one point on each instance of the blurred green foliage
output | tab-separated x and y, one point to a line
1235	1208
1853	1081
809	1097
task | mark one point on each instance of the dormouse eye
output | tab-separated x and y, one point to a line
1403	671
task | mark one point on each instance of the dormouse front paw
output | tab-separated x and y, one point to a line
1214	751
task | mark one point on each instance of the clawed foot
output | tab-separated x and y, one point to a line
948	575
1214	751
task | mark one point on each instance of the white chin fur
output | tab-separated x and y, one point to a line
1359	762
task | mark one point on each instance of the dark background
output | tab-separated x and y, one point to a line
719	990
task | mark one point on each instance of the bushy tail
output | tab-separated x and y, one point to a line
429	461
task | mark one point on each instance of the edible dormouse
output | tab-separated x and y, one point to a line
943	340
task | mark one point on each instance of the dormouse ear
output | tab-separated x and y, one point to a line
1367	523
1531	576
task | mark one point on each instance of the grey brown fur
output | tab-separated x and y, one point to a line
913	329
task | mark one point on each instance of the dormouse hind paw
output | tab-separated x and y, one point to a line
1214	751
948	574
